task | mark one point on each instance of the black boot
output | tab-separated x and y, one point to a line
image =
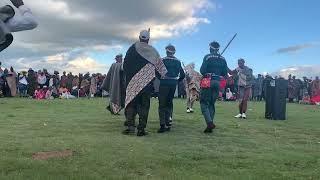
142	132
208	130
162	129
210	127
170	122
129	131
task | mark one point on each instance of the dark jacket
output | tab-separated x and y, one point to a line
214	64
175	72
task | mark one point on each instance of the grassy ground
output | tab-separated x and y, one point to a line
251	149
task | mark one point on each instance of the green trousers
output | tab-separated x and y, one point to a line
208	98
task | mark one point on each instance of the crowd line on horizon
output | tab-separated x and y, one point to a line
43	85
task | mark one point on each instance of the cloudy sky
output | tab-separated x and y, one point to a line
85	35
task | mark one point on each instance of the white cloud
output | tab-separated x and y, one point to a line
68	24
97	25
85	64
103	47
78	63
57	8
56	58
299	71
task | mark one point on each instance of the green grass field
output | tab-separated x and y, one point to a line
251	149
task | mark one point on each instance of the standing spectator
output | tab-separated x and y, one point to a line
75	82
32	82
291	89
12	82
93	86
85	85
48	77
309	87
6	88
80	80
257	88
23	84
298	90
63	81
42	79
315	87
56	79
53	85
99	84
69	82
305	86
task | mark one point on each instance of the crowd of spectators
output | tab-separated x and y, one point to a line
43	85
299	90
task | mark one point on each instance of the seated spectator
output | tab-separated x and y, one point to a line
49	94
67	95
229	95
62	89
54	92
315	100
75	91
39	94
306	99
82	92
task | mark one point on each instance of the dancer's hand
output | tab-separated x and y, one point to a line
17	3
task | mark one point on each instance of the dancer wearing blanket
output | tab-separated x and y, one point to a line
192	84
214	67
114	85
168	86
15	19
140	66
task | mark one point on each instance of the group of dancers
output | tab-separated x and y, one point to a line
142	65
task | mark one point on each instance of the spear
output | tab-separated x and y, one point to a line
229	43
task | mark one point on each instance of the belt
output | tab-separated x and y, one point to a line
171	78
